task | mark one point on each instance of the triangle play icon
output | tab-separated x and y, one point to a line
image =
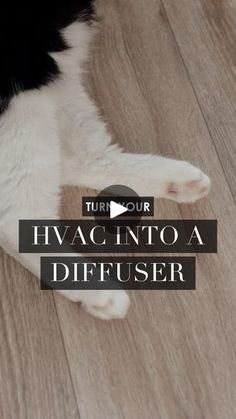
116	209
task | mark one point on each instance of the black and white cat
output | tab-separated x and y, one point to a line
51	133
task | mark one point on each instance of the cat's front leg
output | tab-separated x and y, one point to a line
89	159
146	174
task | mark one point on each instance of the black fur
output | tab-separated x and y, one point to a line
28	32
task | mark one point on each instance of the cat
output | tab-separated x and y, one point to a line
51	133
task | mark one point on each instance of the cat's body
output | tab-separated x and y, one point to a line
51	134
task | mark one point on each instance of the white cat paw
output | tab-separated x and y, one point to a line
188	185
108	304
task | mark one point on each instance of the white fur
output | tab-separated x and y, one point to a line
54	136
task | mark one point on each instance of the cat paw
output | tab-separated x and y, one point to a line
108	304
189	184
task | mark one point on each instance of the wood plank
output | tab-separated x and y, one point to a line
206	34
34	377
173	356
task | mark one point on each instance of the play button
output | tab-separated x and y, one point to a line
117	205
114	201
116	209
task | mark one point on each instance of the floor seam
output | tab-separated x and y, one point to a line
66	357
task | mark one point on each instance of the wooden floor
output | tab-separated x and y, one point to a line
163	74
